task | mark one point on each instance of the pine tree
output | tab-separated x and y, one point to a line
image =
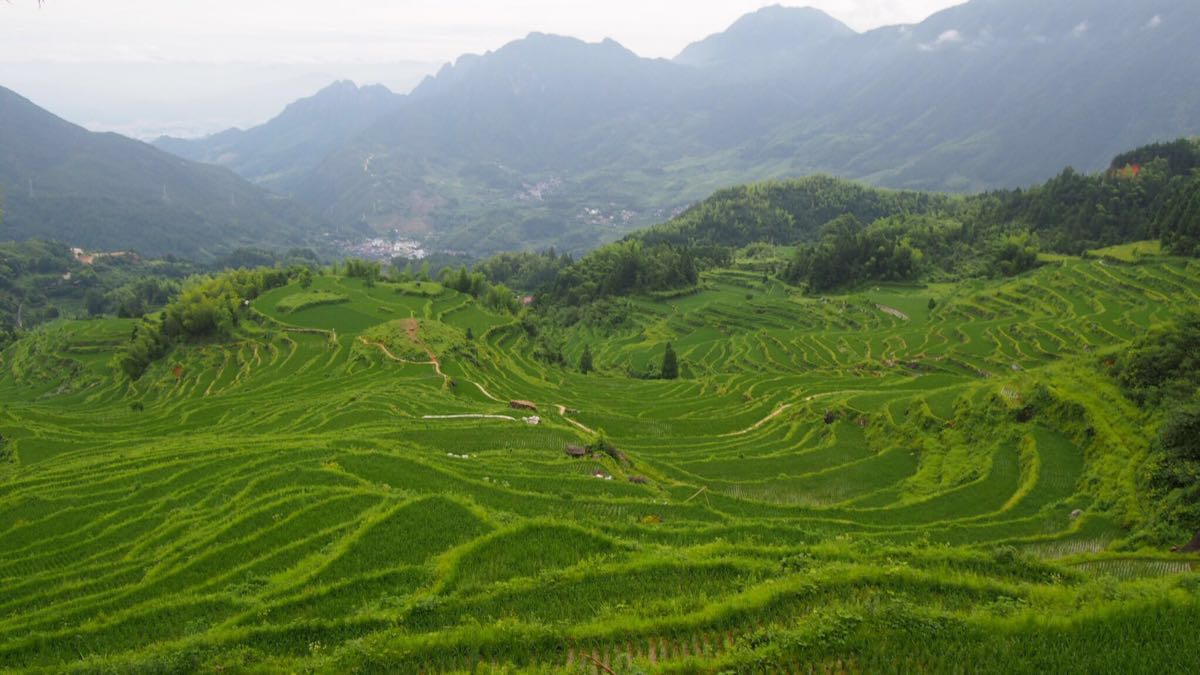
462	283
585	361
670	365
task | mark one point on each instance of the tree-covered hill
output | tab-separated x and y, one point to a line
767	42
843	233
106	192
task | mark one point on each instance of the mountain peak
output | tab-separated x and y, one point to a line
770	33
536	55
348	89
549	44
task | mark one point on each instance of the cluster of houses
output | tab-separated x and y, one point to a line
386	249
84	257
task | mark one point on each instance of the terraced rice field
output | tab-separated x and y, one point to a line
305	498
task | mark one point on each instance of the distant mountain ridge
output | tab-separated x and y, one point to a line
553	141
297	139
103	191
770	39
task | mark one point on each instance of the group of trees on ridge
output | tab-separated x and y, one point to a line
846	233
208	307
41	281
1177	221
1161	371
213	307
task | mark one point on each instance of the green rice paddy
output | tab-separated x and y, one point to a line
855	483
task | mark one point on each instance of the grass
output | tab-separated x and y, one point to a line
1133	252
301	301
831	487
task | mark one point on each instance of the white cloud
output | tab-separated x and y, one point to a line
950	36
1080	29
1154	22
947	37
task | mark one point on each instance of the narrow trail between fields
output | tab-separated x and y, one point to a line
562	409
562	412
332	334
487	393
827	394
759	424
412	330
470	417
388	353
892	311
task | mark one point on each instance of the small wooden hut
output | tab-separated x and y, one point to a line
523	405
577	451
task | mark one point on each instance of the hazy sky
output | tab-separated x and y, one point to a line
307	31
151	67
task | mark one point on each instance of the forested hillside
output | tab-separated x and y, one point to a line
838	234
41	282
110	193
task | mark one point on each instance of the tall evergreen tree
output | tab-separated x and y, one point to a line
585	361
670	364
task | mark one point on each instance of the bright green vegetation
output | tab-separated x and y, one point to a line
422	288
414	339
843	234
1130	253
859	482
824	235
300	301
42	281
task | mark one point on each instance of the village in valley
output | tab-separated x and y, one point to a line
385	249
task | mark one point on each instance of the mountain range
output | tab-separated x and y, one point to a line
550	140
553	141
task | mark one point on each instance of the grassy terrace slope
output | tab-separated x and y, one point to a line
856	483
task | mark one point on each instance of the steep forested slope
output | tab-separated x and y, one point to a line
104	191
295	141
